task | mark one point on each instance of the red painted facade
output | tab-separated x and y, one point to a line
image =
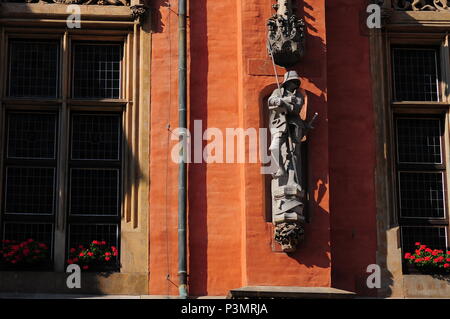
230	240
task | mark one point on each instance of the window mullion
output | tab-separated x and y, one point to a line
3	54
61	229
446	159
445	71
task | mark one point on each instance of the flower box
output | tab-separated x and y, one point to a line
96	257
425	260
24	255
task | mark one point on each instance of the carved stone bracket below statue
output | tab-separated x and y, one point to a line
289	235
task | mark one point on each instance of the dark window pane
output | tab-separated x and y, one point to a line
94	192
29	190
97	71
34	69
421	194
84	234
95	137
31	135
419	140
433	237
415	75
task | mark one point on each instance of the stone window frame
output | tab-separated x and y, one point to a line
412	28
395	109
118	24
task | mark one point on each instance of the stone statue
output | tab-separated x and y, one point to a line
287	130
286	39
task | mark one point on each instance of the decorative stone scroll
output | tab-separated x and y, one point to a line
421	5
139	12
286	35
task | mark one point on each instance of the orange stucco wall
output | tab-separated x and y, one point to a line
230	242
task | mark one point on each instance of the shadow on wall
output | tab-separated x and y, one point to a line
387	280
198	200
156	16
353	220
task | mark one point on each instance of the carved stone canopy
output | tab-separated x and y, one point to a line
286	38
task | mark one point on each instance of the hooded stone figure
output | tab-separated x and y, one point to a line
287	130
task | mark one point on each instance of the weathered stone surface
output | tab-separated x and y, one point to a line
286	38
91	283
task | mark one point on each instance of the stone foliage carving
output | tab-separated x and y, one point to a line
139	12
289	235
421	5
286	38
84	2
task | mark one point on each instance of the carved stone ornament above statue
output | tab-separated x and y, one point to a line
83	2
421	5
286	38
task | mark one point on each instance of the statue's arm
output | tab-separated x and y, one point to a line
277	102
274	100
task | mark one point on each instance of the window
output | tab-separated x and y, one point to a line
415	74
62	164
33	69
420	130
94	181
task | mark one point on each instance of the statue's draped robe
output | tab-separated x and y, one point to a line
287	193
